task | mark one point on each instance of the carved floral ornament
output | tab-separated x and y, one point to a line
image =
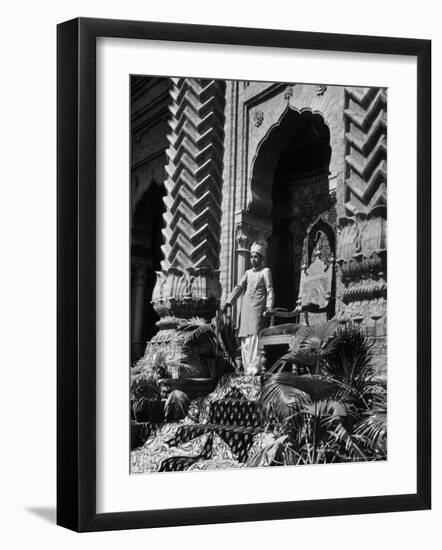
258	118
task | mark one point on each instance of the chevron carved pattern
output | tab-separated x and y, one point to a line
194	175
188	283
362	253
366	148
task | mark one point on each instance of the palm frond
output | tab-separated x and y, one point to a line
373	430
284	392
227	337
351	360
326	409
177	405
265	456
341	436
279	397
317	339
295	358
192	332
309	345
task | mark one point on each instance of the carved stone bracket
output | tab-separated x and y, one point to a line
247	234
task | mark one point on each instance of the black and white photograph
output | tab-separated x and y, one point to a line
200	345
258	260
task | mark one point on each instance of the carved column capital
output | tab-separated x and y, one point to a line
186	292
242	238
249	229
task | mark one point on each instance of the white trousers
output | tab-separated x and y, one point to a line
250	355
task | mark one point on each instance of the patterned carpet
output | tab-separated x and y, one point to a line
222	430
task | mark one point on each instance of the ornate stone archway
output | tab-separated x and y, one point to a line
289	189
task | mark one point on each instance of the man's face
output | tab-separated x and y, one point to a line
255	259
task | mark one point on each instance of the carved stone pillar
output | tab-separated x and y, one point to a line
188	283
362	239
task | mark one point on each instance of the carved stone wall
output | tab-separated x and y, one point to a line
188	283
217	203
150	98
253	112
362	235
362	264
366	148
357	178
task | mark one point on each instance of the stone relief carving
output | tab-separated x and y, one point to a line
258	118
288	93
362	265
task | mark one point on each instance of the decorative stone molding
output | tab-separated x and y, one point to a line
321	89
194	182
373	291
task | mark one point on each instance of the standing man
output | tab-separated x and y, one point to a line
257	287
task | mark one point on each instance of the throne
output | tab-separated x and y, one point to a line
315	303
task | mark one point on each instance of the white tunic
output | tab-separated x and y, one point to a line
257	287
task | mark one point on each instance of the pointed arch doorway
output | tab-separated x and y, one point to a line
146	241
290	190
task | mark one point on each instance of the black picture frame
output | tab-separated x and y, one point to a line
76	273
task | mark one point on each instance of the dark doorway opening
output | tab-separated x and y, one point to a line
300	193
146	255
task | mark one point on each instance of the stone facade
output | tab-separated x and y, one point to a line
270	162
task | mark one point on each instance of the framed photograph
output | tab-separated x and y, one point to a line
230	346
